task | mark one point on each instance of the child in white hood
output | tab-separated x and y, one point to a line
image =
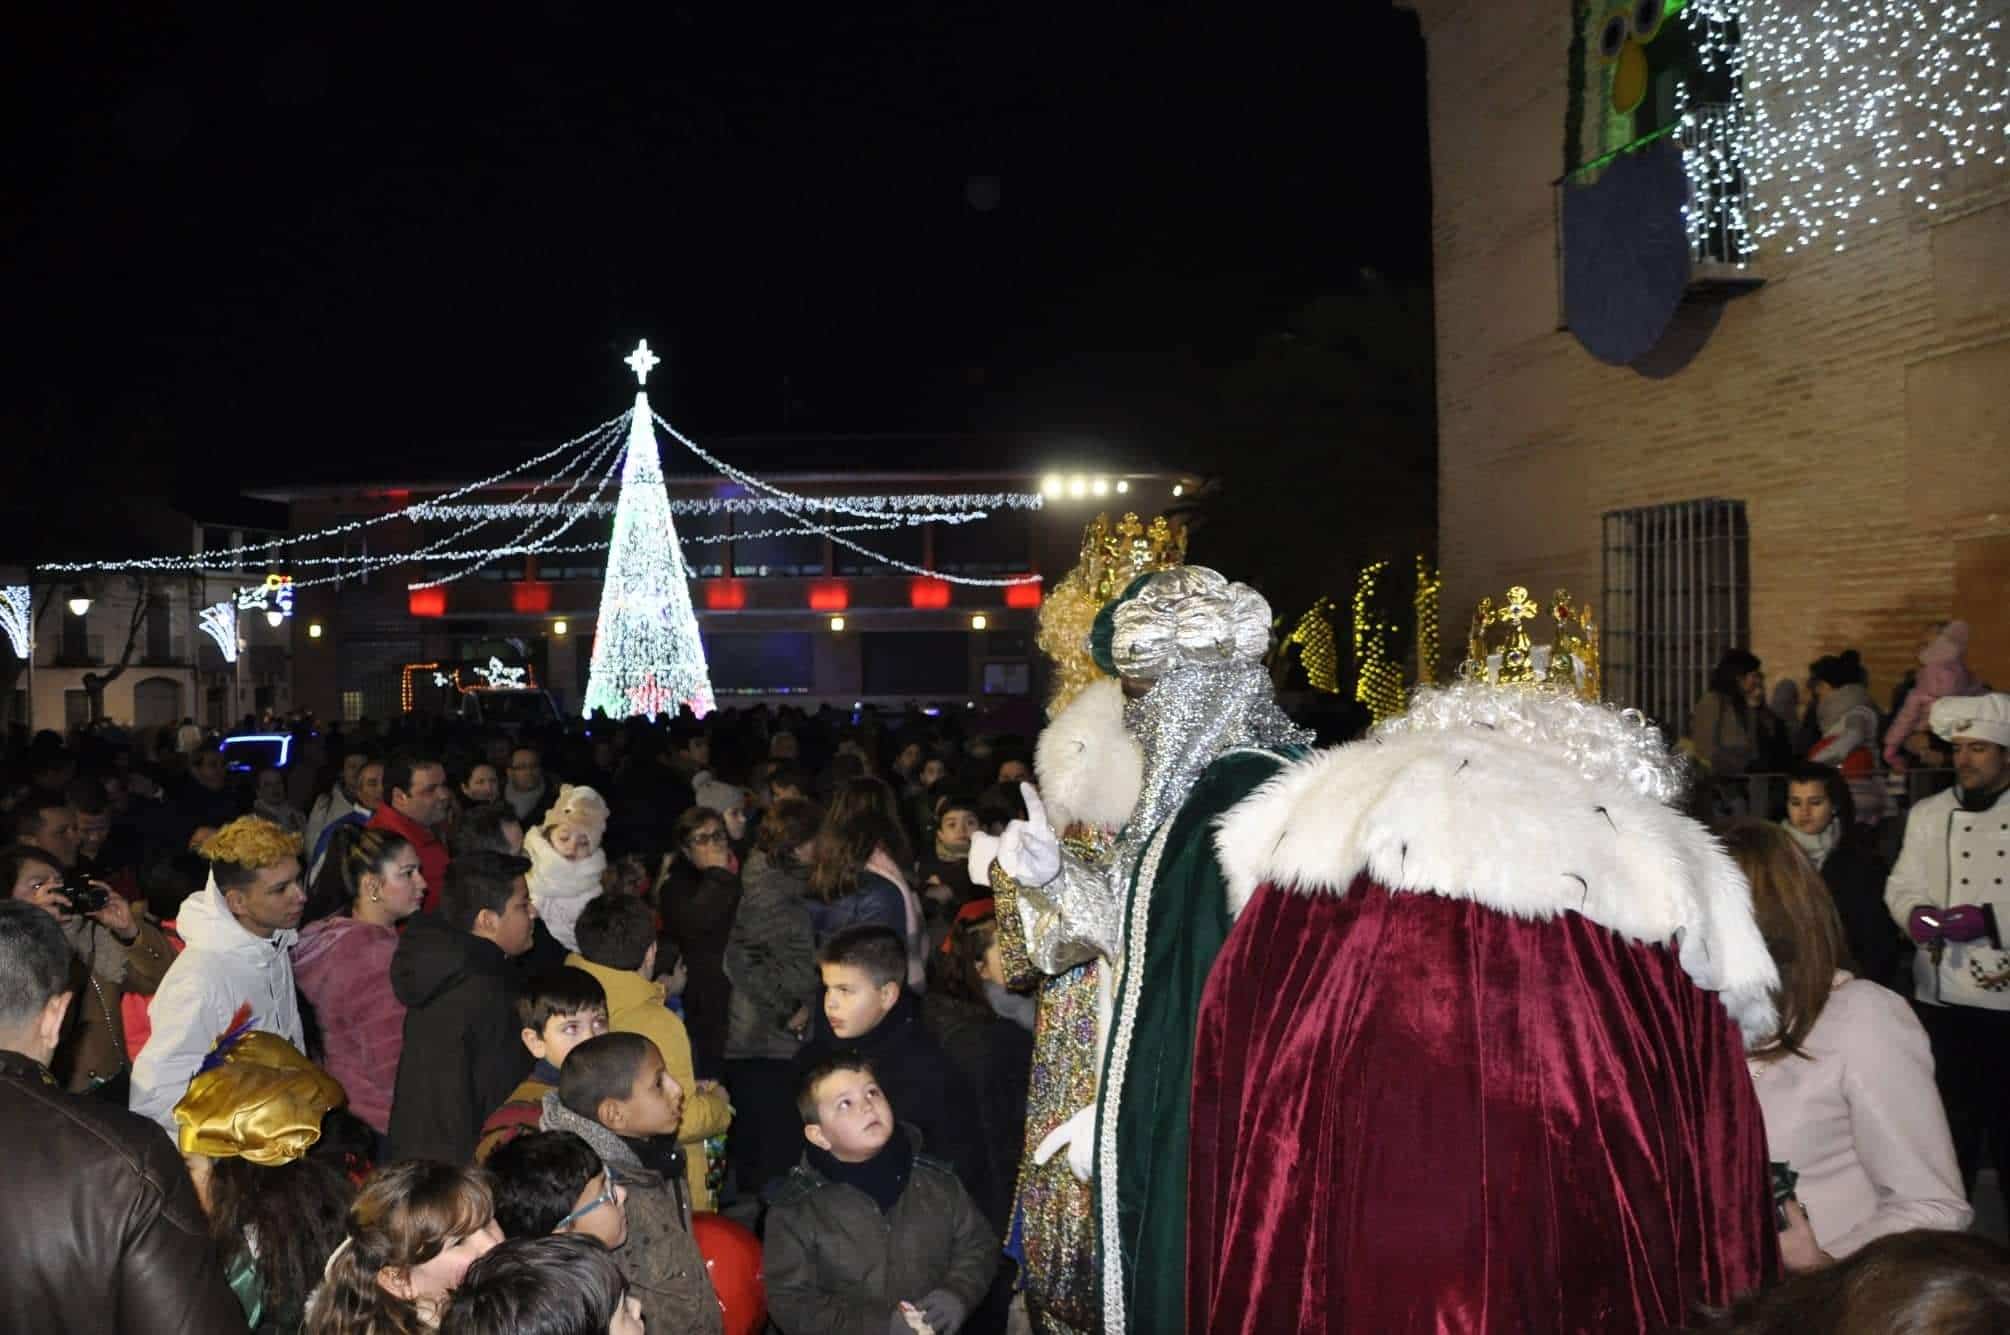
566	861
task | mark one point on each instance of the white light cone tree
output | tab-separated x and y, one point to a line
647	658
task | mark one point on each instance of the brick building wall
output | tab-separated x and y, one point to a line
1859	402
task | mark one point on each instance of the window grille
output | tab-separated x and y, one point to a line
1677	594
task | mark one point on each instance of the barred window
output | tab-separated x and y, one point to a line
1677	594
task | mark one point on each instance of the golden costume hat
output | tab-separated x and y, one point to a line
255	1097
1113	555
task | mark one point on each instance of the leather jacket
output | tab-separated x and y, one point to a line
107	1234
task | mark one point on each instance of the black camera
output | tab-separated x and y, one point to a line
82	897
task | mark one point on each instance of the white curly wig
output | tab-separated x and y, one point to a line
1606	745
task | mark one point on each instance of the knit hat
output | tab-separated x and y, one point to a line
1948	644
1980	718
579	805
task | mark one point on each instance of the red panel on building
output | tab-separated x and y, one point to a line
829	597
1022	595
725	595
427	602
531	596
928	593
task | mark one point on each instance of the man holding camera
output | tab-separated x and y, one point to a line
116	950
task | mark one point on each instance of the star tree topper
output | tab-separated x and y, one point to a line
642	361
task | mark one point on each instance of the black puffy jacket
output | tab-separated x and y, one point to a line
462	1057
106	1234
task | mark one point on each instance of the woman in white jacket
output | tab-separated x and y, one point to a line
1846	1081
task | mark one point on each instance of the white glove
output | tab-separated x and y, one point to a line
1078	1133
1029	850
983	852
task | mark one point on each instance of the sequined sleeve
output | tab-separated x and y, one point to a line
1068	921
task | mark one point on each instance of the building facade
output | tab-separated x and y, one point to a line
142	635
800	619
1816	454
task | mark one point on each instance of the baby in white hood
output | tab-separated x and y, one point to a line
566	861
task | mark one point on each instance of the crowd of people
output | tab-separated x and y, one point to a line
824	1022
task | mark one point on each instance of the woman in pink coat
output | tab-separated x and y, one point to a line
342	963
1846	1081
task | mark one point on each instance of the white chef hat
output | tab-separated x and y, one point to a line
1981	718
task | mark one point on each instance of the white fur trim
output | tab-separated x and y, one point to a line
1477	815
1089	766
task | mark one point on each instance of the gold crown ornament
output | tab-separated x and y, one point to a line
1500	651
1113	554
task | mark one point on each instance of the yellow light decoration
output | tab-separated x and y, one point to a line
1430	584
1318	651
1378	681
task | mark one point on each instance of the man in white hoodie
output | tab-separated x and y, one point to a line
238	931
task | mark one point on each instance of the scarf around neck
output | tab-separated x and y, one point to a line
1816	846
882	1177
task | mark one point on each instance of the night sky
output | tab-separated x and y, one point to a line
307	251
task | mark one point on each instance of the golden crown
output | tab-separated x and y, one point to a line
1114	554
1500	651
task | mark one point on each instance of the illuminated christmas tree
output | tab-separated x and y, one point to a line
647	658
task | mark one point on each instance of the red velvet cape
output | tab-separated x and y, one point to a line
1416	1113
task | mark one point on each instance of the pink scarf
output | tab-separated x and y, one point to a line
881	863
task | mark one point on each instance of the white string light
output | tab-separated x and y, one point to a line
1851	107
545	542
500	676
233	556
749	480
915	508
439	549
219	622
17	618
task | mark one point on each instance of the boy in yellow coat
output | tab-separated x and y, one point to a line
617	945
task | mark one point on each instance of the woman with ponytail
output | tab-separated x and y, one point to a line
413	1232
342	964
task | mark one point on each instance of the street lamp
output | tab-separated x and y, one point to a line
273	617
559	628
80	600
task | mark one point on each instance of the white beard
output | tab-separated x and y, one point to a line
1089	768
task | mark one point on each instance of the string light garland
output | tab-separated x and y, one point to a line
1844	110
233	557
17	618
405	694
542	543
588	451
647	657
219	622
749	480
912	508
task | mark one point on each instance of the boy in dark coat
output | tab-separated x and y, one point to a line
871	1012
614	1094
867	1234
462	1056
